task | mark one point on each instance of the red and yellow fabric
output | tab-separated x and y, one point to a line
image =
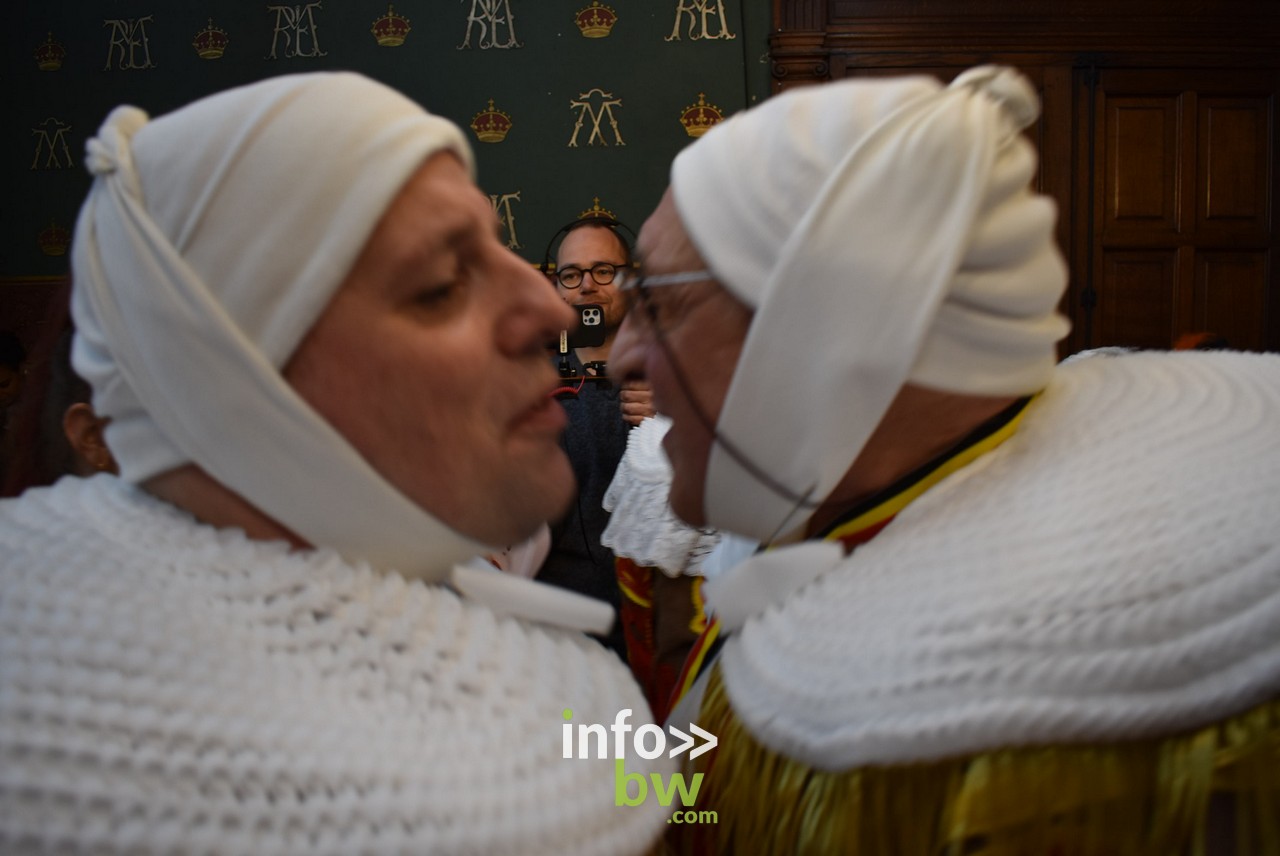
662	618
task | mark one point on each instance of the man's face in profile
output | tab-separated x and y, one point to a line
430	361
702	328
583	249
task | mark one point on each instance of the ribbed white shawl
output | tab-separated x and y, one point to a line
1111	572
166	687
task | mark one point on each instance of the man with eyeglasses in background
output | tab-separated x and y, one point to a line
589	257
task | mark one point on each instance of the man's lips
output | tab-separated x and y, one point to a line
545	415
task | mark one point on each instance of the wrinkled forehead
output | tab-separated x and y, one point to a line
664	244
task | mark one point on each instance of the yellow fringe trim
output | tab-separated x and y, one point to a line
1210	792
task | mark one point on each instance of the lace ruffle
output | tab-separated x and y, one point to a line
643	527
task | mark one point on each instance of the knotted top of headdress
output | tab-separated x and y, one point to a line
884	231
211	241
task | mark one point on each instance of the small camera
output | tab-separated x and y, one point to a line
589	332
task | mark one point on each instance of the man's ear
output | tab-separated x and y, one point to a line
84	428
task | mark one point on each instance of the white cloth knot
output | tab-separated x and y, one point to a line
109	150
99	159
1008	88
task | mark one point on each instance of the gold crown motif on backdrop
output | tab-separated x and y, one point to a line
49	55
596	20
491	125
391	29
596	211
701	117
210	42
54	240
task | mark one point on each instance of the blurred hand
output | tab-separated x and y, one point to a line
636	397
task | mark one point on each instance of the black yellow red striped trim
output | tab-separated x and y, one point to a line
706	644
881	508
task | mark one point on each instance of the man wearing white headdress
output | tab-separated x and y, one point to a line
263	637
1004	606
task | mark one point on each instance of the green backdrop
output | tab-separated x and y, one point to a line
529	56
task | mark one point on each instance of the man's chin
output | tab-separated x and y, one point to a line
560	490
540	493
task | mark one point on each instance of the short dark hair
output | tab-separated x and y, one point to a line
617	227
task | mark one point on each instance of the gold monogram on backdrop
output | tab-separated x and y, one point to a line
51	141
296	32
127	45
704	19
495	23
501	203
596	105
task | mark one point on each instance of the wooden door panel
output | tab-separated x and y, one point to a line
1136	298
1141	166
1183	231
1160	140
1231	191
1230	291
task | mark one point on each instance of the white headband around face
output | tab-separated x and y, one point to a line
886	233
211	241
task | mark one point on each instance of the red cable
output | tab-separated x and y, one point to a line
569	389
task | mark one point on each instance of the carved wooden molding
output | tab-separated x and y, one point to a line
799	14
813	40
798	58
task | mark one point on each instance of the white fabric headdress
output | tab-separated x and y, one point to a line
885	232
211	241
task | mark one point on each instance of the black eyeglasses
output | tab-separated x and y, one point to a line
632	280
632	283
602	273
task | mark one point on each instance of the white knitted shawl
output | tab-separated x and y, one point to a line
1111	572
169	687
